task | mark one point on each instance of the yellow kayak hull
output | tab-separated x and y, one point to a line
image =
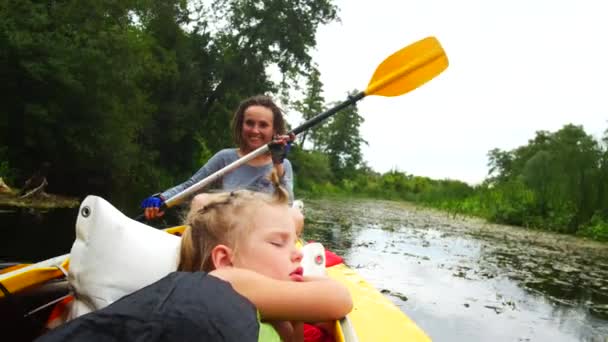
374	317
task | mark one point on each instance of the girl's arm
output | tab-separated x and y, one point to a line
321	299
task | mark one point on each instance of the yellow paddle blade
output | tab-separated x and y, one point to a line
408	68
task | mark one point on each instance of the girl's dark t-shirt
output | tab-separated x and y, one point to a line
182	306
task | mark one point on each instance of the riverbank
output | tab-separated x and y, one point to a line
40	201
595	231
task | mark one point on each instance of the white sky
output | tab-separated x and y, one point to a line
516	67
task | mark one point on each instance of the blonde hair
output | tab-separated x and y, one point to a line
222	221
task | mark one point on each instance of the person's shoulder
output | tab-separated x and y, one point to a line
221	159
227	154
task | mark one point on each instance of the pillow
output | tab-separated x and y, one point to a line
114	255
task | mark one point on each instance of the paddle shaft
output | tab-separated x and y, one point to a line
312	122
179	197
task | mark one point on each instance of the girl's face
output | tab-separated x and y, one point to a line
269	248
258	128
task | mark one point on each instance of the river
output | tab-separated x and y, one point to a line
459	279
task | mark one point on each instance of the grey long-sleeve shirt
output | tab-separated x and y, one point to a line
245	177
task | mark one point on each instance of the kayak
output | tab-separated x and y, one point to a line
32	296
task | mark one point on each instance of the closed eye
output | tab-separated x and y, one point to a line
278	238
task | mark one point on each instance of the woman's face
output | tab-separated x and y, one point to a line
258	127
270	246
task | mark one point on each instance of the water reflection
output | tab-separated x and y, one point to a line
462	280
34	235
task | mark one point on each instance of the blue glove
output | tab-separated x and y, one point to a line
278	151
154	201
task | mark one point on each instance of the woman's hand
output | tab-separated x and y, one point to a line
279	147
151	206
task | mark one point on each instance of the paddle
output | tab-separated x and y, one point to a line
403	71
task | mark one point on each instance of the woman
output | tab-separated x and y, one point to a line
257	121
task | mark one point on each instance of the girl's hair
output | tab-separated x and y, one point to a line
278	122
223	220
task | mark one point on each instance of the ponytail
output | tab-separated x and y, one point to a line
281	195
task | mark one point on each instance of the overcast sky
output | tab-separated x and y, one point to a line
516	67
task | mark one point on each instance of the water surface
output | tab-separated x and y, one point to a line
462	279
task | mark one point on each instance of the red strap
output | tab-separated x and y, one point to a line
332	259
59	314
313	333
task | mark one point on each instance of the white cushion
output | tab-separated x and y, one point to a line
114	255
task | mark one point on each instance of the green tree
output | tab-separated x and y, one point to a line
603	175
577	160
564	172
72	93
341	140
538	175
311	105
310	168
500	164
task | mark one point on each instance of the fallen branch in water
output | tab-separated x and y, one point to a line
36	191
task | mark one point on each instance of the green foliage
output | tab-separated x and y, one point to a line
500	164
341	141
204	153
597	228
127	98
555	182
310	168
509	203
603	175
311	105
74	97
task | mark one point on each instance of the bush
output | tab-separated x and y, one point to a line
596	229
